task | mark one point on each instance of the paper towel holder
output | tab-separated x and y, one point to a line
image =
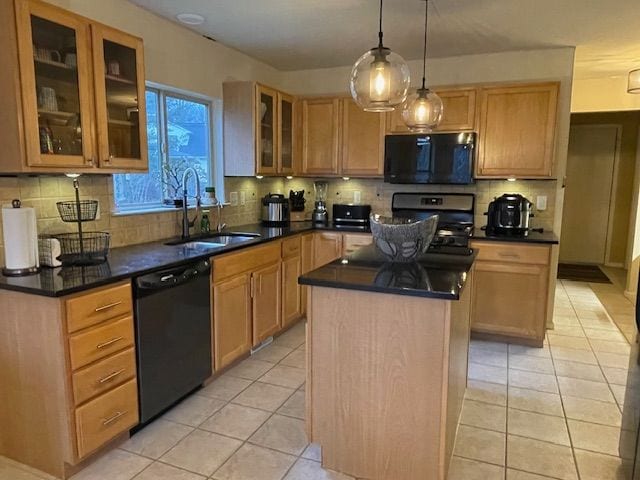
19	272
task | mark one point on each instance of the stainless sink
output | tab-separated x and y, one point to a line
215	240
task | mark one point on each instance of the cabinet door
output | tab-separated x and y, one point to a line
510	299
118	62
291	291
266	130
285	133
517	126
320	136
231	319
55	73
266	284
362	141
458	112
353	241
327	246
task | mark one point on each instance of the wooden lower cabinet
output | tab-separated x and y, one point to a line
291	291
232	330
65	396
266	295
353	241
510	292
327	247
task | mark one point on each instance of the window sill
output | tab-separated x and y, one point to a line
163	209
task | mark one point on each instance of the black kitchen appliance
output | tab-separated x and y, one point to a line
275	210
455	217
349	215
509	214
173	335
629	446
437	158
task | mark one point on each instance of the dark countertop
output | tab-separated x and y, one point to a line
547	237
432	275
127	262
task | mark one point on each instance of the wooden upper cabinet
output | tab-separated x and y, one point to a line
118	62
459	112
54	51
76	93
517	126
266	130
285	134
362	141
320	136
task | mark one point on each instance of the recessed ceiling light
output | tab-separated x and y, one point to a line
190	18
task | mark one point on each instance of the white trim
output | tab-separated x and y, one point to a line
157	209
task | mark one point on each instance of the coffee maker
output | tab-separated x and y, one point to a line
320	213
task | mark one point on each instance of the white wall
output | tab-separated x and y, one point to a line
607	94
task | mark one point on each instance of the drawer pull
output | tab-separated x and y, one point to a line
112	418
111	376
107	307
508	255
108	343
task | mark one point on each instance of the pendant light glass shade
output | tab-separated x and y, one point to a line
634	81
422	111
380	78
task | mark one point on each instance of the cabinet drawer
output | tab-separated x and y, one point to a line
98	306
100	342
106	417
104	375
235	263
512	252
291	247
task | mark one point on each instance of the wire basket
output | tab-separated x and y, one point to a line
69	210
88	248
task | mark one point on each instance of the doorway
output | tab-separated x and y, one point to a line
591	165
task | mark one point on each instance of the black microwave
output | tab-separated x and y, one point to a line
440	158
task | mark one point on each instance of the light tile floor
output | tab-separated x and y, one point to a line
529	413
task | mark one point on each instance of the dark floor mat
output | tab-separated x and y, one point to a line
582	273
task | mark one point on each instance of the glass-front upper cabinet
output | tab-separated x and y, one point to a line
285	133
120	99
55	65
266	130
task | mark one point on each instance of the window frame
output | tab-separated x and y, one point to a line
216	170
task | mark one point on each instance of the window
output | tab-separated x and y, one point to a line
179	131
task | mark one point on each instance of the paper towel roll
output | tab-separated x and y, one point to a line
20	238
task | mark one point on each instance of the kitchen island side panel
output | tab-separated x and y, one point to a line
379	372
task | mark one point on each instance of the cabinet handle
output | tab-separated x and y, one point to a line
108	343
112	418
111	376
107	307
508	255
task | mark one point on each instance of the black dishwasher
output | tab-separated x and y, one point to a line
173	335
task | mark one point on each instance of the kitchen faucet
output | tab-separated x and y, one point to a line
186	223
218	204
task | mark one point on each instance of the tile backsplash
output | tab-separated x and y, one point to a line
43	192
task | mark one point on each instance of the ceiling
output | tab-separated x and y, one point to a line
305	34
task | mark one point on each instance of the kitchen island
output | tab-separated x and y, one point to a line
387	349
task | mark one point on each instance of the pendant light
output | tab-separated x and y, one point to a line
422	111
634	81
380	78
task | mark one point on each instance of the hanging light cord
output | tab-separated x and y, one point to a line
424	58
380	29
